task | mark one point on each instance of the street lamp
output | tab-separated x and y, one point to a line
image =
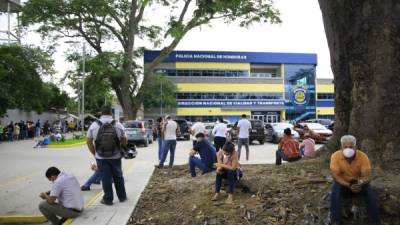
83	83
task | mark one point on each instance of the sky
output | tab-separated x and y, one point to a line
301	31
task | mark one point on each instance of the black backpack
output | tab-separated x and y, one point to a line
107	142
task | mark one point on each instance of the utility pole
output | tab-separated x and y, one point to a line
83	86
161	102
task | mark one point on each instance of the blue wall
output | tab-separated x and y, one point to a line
248	57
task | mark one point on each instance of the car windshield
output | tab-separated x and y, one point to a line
256	123
315	126
133	125
282	126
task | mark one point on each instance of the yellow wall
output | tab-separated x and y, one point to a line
209	112
325	88
325	110
212	65
212	87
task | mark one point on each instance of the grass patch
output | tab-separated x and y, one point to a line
69	141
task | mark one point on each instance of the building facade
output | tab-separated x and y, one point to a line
269	86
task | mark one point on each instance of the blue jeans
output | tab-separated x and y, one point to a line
168	145
95	178
370	198
110	169
160	150
281	156
231	176
10	136
196	162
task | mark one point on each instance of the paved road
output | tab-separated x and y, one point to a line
22	170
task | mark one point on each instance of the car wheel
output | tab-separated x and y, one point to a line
261	141
146	142
187	137
151	140
274	139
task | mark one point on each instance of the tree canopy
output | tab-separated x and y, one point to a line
101	22
21	84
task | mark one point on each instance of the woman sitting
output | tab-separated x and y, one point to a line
228	168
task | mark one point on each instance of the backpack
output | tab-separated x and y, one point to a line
107	142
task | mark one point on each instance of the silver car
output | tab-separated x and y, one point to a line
139	132
275	131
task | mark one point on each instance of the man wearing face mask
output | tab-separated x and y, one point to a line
207	154
65	199
350	170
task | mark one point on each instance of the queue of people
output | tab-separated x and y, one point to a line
106	137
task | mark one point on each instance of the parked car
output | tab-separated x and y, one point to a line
152	126
184	129
325	122
275	131
317	131
138	132
257	131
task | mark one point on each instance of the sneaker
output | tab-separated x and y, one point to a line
123	200
158	166
63	220
215	197
105	203
229	200
84	188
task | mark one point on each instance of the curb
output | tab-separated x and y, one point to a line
23	219
66	146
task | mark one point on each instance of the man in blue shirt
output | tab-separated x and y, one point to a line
207	154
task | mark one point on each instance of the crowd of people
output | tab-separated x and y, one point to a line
106	138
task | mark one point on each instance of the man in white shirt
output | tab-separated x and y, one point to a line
244	127
219	132
105	139
169	143
196	128
65	199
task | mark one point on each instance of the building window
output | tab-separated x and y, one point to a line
230	96
202	73
326	96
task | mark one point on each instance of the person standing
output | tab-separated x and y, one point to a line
105	139
219	131
1	132
17	131
169	144
46	128
244	127
196	128
10	131
159	133
65	199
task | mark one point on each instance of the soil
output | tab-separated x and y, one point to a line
292	194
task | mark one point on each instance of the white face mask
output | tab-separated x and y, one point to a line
348	152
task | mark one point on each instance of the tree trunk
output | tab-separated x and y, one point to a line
364	42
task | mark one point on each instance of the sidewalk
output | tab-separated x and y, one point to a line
136	179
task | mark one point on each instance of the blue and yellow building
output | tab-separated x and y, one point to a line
268	86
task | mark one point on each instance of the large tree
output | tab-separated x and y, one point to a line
21	86
127	21
364	43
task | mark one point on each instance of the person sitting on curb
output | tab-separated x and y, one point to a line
94	179
228	168
351	170
288	148
43	143
207	154
64	200
307	146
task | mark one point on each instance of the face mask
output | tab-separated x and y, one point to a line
348	152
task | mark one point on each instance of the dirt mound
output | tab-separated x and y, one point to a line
294	194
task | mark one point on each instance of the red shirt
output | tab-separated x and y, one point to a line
290	147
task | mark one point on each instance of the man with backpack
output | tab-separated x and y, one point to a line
105	139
